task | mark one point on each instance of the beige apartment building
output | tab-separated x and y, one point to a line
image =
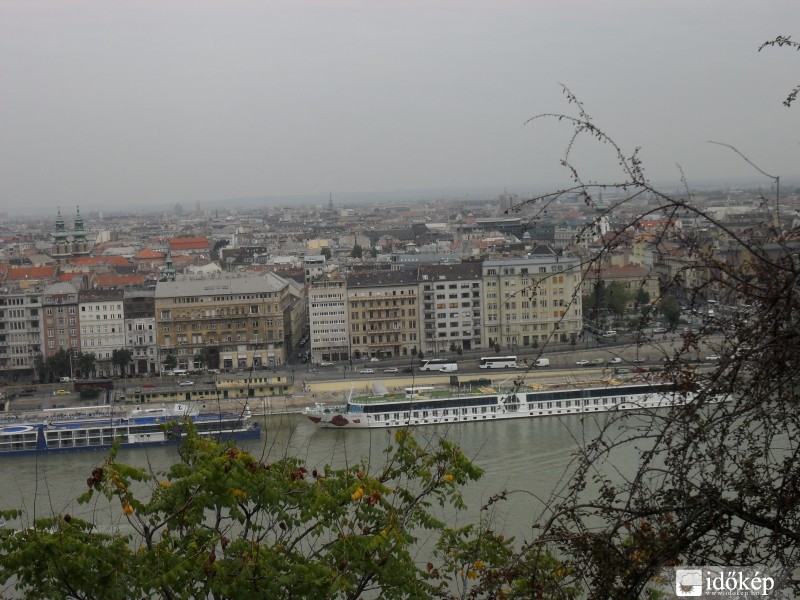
531	299
238	322
383	311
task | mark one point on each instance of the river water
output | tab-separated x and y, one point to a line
530	457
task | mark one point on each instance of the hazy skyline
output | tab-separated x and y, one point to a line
118	104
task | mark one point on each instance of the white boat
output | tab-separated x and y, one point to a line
427	406
97	428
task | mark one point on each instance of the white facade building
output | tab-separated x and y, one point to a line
327	318
102	326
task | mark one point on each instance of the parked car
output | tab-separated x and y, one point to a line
391	370
325	363
374	359
712	358
598	361
367	371
186	383
60	393
609	333
615	361
150	385
622	371
582	363
408	370
637	361
660	330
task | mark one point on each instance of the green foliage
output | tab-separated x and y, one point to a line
220	523
85	364
671	310
357	252
326	252
120	358
170	362
614	297
89	393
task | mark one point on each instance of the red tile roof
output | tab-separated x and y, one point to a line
148	253
20	273
92	261
188	243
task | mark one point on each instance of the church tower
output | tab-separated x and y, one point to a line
79	245
61	245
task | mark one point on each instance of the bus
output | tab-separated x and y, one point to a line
498	362
443	365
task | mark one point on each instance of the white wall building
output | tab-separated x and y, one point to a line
327	317
102	326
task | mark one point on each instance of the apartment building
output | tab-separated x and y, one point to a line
235	322
139	308
532	299
60	323
451	298
383	314
327	320
102	327
20	331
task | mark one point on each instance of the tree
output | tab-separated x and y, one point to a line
326	252
219	523
671	310
121	358
357	252
617	297
779	41
202	358
85	364
170	362
642	297
617	528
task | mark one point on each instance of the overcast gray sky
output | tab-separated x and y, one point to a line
126	103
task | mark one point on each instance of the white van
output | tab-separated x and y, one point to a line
542	362
180	372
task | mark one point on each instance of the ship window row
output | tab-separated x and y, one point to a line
597	393
424	405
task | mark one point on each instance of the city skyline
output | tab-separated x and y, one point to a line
143	104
